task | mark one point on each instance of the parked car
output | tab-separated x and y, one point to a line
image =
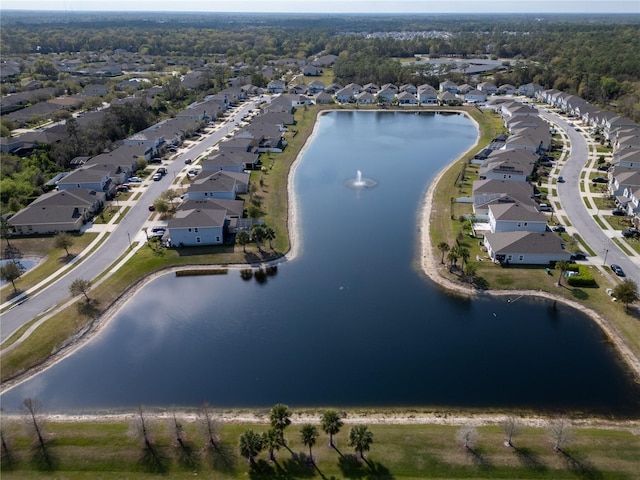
162	171
560	179
630	233
559	229
155	160
187	161
599	180
578	256
603	168
617	212
152	208
617	270
193	171
123	188
135	179
157	177
158	228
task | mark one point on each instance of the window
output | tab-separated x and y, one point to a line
198	240
218	239
521	258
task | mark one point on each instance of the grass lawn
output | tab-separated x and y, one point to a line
84	450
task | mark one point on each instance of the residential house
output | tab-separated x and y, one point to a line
197	227
365	98
345	95
311	71
315	87
448	98
525	248
508	164
58	211
490	190
230	162
89	177
427	95
407	98
217	184
387	95
234	208
506	89
323	98
515	217
276	86
475	96
448	86
530	89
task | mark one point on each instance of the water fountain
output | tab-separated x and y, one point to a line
360	181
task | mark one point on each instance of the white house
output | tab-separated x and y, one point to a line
525	248
195	227
514	217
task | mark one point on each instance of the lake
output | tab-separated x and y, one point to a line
351	320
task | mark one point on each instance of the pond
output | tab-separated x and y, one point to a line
351	320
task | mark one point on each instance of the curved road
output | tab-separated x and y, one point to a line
118	241
576	210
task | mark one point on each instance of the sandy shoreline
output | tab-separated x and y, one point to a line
430	264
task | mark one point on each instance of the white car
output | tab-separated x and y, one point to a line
135	179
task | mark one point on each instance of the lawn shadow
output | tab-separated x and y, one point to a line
186	455
351	466
579	294
65	259
43	458
378	471
88	308
581	466
154	459
529	459
478	457
300	465
222	457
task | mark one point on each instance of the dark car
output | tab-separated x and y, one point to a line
559	229
617	270
162	171
599	180
630	233
187	161
578	256
617	212
152	208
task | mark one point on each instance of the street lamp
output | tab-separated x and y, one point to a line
606	252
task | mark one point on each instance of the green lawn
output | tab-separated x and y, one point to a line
81	450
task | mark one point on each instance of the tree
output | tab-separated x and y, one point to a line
250	445
170	195
452	256
80	286
331	423
360	438
10	272
269	234
467	436
63	240
308	435
560	433
161	205
5	229
470	270
280	417
272	440
211	426
511	428
444	248
627	292
258	233
464	255
562	265
242	238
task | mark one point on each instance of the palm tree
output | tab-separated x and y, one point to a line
563	265
452	256
270	234
309	434
444	248
280	418
360	438
331	424
250	445
464	255
272	440
258	234
242	238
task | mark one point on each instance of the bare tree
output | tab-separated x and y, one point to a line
35	424
152	456
185	450
210	426
560	433
80	286
511	427
467	436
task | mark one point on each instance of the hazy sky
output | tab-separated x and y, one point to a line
333	6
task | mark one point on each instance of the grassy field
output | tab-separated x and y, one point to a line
115	450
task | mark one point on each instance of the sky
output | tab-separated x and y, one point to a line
335	6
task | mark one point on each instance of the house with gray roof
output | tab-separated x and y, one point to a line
58	211
219	184
525	248
515	217
513	165
427	95
90	177
197	227
233	208
230	161
488	191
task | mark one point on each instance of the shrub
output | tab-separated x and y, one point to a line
584	277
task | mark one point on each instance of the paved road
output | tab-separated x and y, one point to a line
575	209
119	241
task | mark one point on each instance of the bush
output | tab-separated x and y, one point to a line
584	277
